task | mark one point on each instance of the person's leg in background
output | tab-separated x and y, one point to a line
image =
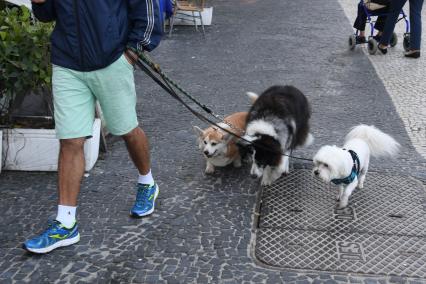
380	22
379	26
392	17
415	28
359	23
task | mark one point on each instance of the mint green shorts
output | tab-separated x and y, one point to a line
75	94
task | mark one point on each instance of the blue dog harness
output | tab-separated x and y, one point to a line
354	173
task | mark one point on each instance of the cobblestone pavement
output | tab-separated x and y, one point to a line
202	229
403	79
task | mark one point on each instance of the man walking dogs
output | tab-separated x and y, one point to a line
91	62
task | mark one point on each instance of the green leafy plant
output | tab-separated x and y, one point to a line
24	58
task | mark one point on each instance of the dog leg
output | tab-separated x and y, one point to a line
344	199
267	176
309	140
286	163
209	168
237	162
340	192
363	174
275	174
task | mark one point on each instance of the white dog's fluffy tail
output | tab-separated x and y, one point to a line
380	143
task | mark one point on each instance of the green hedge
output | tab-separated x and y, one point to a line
24	56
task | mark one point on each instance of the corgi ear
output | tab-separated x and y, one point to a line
252	96
198	131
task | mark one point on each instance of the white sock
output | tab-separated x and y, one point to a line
146	179
66	215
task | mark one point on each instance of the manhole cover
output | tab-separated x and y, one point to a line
382	232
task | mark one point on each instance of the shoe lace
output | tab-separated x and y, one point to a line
52	228
143	194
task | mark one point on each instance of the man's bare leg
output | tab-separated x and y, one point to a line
138	147
70	170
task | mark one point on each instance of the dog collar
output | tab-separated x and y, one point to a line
354	173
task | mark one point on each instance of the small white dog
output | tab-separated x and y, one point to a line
219	147
348	166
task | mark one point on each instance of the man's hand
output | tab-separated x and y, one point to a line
131	56
38	1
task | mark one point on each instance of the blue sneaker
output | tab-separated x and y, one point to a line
55	236
145	200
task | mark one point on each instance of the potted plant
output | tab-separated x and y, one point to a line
26	108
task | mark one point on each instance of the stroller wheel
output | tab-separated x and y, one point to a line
406	42
372	46
352	42
394	40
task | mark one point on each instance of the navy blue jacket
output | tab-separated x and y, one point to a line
91	34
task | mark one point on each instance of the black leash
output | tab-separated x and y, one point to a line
154	72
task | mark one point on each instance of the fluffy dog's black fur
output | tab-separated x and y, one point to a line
282	107
265	146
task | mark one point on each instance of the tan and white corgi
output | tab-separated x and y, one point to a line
219	147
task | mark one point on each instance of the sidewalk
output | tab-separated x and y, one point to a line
203	229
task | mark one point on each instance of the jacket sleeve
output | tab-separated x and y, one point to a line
146	27
44	12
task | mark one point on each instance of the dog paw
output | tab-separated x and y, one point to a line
209	169
285	167
360	185
265	182
342	204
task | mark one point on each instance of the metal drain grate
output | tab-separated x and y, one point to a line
383	231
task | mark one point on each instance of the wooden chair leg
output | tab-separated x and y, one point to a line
171	23
195	21
202	24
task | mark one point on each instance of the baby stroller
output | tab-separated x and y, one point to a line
373	8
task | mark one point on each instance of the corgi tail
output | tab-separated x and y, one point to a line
252	96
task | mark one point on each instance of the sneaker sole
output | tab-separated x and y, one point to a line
58	244
153	206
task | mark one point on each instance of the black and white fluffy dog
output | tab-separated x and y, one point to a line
277	123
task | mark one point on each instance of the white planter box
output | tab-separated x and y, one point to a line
38	149
207	15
